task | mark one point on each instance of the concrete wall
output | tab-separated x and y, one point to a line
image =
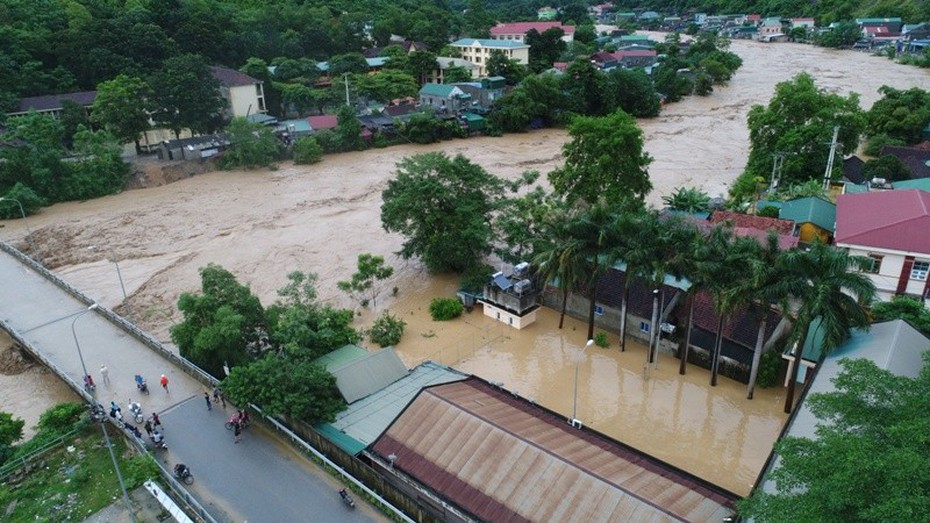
507	317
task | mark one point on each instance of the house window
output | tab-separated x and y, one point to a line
873	265
919	270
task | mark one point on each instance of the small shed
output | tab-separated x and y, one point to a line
813	218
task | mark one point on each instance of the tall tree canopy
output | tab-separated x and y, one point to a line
186	95
604	160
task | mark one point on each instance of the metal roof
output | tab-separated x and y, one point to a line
361	377
496	44
922	184
810	210
366	419
341	357
895	220
503	459
894	346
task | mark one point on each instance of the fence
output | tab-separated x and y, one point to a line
467	344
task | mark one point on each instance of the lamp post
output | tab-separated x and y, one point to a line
575	393
119	275
119	476
93	306
25	221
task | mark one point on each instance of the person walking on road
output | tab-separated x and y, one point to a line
164	382
105	374
216	395
148	427
223	399
206	398
156	423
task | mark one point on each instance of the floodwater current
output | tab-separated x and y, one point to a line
264	224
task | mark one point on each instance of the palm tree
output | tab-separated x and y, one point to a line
594	229
560	255
821	281
633	235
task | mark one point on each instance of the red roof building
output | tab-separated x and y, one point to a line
517	30
893	229
323	121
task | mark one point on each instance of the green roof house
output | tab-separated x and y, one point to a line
444	97
813	218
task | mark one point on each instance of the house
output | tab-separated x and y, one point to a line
486	454
359	372
603	60
805	23
546	13
753	19
636	39
814	218
749	221
891	228
444	98
478	51
892	25
916	157
771	29
244	95
601	12
51	105
629	58
916	32
852	169
512	299
485	93
195	147
409	46
894	346
437	76
516	31
323	122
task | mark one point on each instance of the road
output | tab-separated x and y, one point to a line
258	480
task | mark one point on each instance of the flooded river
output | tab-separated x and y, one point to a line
263	224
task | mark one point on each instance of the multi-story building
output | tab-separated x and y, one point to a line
478	51
517	30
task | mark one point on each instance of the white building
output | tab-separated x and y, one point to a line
478	51
244	94
517	31
892	228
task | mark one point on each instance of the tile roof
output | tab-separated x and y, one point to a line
53	101
323	121
810	210
525	27
501	458
753	222
634	53
741	327
895	220
497	44
232	78
852	169
916	158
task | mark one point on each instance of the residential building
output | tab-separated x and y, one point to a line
916	157
437	76
891	228
806	23
517	31
484	93
629	58
478	51
771	29
444	98
472	447
244	95
50	105
814	218
512	299
891	25
546	13
323	122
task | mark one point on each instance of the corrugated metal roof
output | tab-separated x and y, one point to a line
896	220
810	210
342	440
376	370
341	357
503	459
894	346
367	418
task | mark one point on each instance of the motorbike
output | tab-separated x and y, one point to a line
141	384
243	422
158	441
183	473
136	410
346	498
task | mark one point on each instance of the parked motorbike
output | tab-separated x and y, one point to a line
183	473
346	498
136	410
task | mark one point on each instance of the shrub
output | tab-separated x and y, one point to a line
61	418
442	309
140	468
769	211
307	150
600	339
387	330
768	368
20	194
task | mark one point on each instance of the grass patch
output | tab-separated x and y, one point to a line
67	484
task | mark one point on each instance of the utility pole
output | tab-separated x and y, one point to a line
777	161
345	76
829	171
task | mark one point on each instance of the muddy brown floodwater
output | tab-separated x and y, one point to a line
263	224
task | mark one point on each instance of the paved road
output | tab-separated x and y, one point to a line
258	480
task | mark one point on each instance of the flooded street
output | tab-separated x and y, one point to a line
263	224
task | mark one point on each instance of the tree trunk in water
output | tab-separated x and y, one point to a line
138	147
564	306
684	352
798	351
715	355
756	358
623	317
653	327
591	311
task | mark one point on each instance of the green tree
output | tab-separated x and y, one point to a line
73	116
671	80
603	160
10	429
799	122
420	64
121	108
258	69
545	47
98	168
347	63
585	88
363	283
499	65
443	207
18	195
899	115
307	150
251	145
575	12
868	460
456	74
349	130
560	255
632	90
186	95
283	386
385	85
222	325
688	199
887	167
387	330
828	291
844	34
906	308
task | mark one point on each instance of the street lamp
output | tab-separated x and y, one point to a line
93	306
28	230
575	393
119	476
119	275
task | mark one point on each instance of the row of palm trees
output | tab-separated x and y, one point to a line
819	283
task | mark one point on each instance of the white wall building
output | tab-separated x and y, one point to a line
478	51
